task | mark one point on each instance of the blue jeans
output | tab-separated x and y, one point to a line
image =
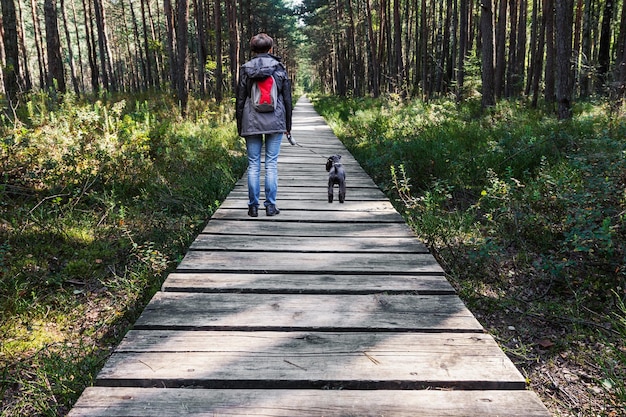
254	144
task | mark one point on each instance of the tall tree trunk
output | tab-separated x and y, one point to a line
98	14
463	35
373	58
233	38
182	42
585	82
91	47
24	70
510	87
620	62
397	34
56	74
564	21
79	49
70	53
150	80
500	66
171	47
219	95
538	58
486	26
38	45
201	49
12	78
548	13
577	38
604	52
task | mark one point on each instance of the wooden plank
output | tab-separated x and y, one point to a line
165	402
320	192
249	226
315	205
311	216
328	312
328	244
352	263
307	283
299	360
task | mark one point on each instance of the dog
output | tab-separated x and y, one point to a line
336	175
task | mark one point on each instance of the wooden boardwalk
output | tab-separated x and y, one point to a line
324	310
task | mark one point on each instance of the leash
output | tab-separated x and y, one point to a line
293	142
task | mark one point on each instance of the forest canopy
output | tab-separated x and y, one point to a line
556	51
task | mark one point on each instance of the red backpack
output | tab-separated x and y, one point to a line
264	94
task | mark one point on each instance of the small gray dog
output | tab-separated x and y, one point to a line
336	175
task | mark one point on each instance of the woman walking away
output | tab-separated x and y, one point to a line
263	108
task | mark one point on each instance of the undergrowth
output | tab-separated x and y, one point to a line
99	199
526	214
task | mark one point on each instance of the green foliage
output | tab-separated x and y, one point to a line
525	213
99	199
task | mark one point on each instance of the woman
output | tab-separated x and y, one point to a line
255	125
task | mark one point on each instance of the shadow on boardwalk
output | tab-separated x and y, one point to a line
323	310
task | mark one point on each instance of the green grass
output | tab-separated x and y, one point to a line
525	213
98	201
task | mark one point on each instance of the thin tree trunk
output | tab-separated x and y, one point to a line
233	50
486	26
500	66
218	51
564	20
79	49
538	66
182	90
28	83
604	53
201	49
38	45
548	13
70	53
372	51
463	34
169	25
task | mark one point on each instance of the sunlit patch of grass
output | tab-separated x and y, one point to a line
99	200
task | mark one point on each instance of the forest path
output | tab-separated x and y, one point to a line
327	309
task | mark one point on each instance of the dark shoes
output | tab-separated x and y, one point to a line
271	210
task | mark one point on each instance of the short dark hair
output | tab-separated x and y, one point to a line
261	43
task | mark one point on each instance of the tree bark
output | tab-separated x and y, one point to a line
604	52
56	74
182	42
548	14
564	21
70	53
12	81
219	95
486	26
38	44
500	67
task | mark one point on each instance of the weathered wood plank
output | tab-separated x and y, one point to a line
312	216
165	402
320	192
332	244
316	205
353	263
249	226
299	360
307	283
375	312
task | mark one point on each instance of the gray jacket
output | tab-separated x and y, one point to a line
249	121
